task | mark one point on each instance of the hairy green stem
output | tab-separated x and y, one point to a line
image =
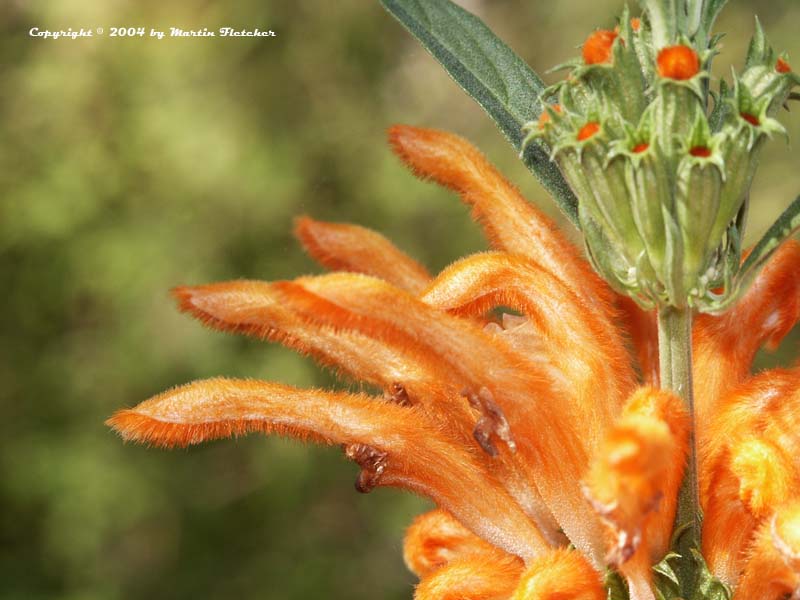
675	362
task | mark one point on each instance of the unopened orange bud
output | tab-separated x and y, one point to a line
782	66
638	148
544	118
588	131
700	151
678	62
597	47
636	23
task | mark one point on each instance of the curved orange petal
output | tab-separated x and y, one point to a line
538	421
584	348
560	575
510	222
370	349
724	346
394	445
471	578
346	247
435	539
634	479
642	328
773	568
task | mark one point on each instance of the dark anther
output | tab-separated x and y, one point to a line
491	422
397	394
372	462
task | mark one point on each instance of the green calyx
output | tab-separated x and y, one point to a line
662	174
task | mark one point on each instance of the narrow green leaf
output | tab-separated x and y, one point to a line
489	71
779	232
787	224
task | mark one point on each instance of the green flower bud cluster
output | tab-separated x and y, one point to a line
661	166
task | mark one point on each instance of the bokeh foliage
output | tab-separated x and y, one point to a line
128	166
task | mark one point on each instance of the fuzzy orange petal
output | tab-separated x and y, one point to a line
538	419
560	575
435	539
634	480
471	578
264	310
584	348
510	222
393	444
642	328
345	247
773	568
724	347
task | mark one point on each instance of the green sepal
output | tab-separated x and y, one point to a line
722	106
759	52
489	71
665	580
615	586
698	186
676	107
650	187
665	20
707	587
618	84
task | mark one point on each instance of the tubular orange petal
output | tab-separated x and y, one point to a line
435	539
582	346
345	247
365	346
642	328
392	444
471	578
773	568
262	309
634	480
559	575
747	469
476	360
728	527
724	346
510	222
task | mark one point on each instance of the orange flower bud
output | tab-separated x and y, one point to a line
782	66
638	148
678	62
752	119
597	47
544	118
636	23
588	131
700	151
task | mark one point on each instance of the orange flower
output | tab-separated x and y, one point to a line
538	436
678	62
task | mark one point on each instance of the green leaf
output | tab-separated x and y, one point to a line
787	224
489	71
615	585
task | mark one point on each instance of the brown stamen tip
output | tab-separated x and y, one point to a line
373	463
700	151
588	131
783	67
639	148
597	47
397	394
492	422
678	62
752	119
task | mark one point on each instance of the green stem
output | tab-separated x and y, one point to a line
675	362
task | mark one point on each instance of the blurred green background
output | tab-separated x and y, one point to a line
128	166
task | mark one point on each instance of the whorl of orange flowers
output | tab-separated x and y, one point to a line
539	437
